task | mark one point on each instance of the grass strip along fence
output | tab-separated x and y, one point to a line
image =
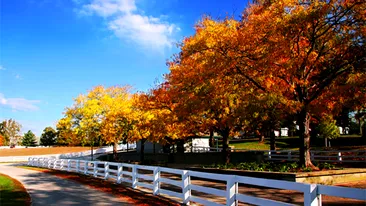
334	156
152	178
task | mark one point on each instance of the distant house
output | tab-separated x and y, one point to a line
150	147
197	144
284	132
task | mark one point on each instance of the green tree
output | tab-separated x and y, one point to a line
328	129
48	136
29	139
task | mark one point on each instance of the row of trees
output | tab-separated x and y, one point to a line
283	59
10	135
114	114
291	60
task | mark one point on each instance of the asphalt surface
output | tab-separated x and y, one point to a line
46	189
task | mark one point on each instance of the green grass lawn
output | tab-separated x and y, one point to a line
250	145
291	143
253	144
12	192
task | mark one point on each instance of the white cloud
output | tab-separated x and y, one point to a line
77	1
106	8
2	68
18	77
19	104
126	22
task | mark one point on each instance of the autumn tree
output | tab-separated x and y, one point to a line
166	124
48	137
102	113
118	116
309	47
29	139
65	133
2	140
145	122
297	50
10	130
207	89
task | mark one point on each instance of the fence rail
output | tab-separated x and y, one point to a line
152	177
292	155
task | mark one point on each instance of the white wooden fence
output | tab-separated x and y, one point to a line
293	155
151	177
101	150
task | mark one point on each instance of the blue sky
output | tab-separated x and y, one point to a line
53	50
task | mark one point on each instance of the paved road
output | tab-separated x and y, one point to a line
46	189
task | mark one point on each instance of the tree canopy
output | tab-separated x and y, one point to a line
283	59
48	137
29	139
10	131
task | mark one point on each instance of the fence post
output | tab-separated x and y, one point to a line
311	196
106	170
269	154
339	157
62	165
156	180
86	167
54	164
77	165
95	168
289	155
68	165
231	190
186	181
134	177
119	173
49	163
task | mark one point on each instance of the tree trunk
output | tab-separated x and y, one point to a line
225	146
92	149
304	124
364	134
180	146
91	152
260	136
212	139
142	152
115	155
272	139
280	132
